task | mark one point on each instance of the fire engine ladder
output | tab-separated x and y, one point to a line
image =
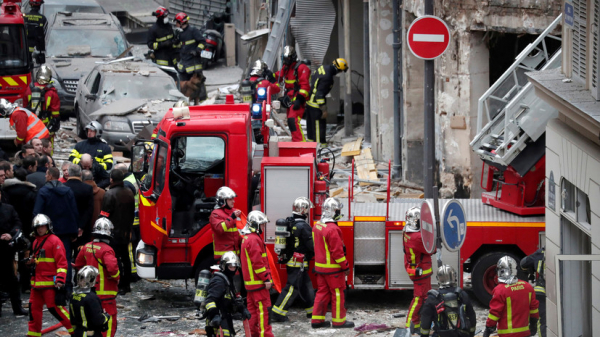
281	21
516	116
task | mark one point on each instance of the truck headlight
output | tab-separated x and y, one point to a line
146	256
116	126
19	102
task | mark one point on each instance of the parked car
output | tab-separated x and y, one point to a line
74	43
125	97
51	7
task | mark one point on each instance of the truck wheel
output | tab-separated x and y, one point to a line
484	278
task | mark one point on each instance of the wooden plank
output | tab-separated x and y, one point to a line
336	192
352	148
365	167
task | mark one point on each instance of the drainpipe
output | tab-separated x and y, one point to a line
367	78
348	96
398	94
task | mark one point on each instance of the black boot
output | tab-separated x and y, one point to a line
15	300
320	325
346	324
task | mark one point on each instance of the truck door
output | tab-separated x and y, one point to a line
155	200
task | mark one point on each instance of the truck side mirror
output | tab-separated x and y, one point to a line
138	153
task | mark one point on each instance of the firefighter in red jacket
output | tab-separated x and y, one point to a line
418	266
44	101
100	255
24	122
49	271
226	237
262	77
296	75
331	268
513	306
257	274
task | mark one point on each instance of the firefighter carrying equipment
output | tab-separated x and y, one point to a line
219	305
203	280
507	270
27	125
446	276
451	312
302	206
284	247
95	147
45	103
412	220
514	309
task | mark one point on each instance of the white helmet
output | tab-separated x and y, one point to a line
103	227
507	270
446	276
258	68
93	125
223	194
412	220
254	220
86	279
302	206
331	210
41	220
44	75
6	107
229	259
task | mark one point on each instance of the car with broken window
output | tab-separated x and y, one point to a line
125	97
74	43
51	7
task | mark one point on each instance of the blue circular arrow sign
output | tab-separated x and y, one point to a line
454	226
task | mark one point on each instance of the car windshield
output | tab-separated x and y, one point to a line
13	47
138	86
200	153
75	42
49	10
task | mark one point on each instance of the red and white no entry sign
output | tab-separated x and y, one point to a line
428	37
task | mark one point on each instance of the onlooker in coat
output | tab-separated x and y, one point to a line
58	202
65	171
84	197
88	178
101	176
37	177
7	168
119	207
37	146
46	147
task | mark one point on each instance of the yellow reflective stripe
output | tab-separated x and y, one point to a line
533	311
327	265
509	311
133	267
106	292
45	259
249	265
225	332
321	70
226	229
290	81
61	270
281	311
108	157
210	305
101	274
55	113
10	81
412	256
20	139
321	101
327	254
36	334
493	318
103	165
109	331
302	91
189	42
340	260
115	275
292	263
318	317
155	45
83	318
424	332
412	309
48	100
260	270
505	331
338	302
253	283
221	253
66	313
201	46
262	318
427	271
45	283
162	62
539	289
164	38
309	310
263	254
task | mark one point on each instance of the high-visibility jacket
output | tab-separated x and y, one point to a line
97	148
50	260
101	256
415	256
329	248
48	106
27	125
162	40
255	265
191	41
511	307
296	79
321	82
131	179
226	237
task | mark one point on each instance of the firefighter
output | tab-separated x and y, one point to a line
190	62
513	307
226	237
298	281
95	146
535	266
100	255
257	274
48	262
27	125
87	316
44	101
220	294
296	75
449	308
35	23
418	266
161	39
321	82
331	268
262	77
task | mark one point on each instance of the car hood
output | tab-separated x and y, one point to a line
71	68
149	108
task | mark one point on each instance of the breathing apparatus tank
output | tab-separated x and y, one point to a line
247	91
203	280
283	231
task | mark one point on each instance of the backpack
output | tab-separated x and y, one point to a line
452	317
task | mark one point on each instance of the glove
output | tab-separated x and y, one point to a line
286	102
298	102
246	314
60	296
54	124
195	53
533	326
488	331
216	321
268	74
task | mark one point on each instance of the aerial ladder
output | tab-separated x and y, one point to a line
512	143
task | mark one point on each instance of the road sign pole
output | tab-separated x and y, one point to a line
436	211
429	111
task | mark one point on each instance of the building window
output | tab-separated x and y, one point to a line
579	41
575	204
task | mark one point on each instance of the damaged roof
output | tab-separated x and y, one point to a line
84	19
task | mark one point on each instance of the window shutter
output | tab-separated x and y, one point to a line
578	58
596	51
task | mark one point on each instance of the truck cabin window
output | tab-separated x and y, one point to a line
197	171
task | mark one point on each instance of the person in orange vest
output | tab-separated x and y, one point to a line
418	266
27	125
44	101
331	268
48	261
257	274
513	308
100	255
296	75
226	237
